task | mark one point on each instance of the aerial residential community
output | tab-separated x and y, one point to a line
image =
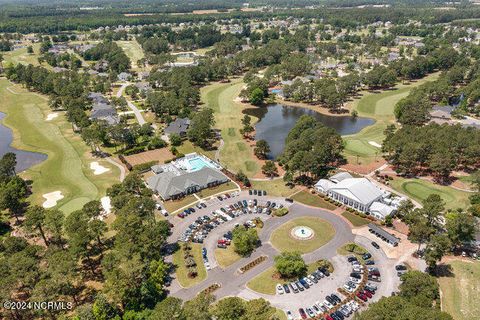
251	160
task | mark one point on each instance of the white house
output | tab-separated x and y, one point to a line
357	193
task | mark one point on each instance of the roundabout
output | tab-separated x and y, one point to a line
302	234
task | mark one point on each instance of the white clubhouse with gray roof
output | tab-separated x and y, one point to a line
358	193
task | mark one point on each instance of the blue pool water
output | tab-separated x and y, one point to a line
198	163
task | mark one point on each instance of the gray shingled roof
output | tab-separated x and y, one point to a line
179	126
168	184
103	111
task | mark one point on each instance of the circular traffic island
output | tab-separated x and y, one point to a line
304	234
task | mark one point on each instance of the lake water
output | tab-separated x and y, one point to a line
276	121
25	159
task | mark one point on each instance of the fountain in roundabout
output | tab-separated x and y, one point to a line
302	233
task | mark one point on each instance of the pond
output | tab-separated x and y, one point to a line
25	159
276	121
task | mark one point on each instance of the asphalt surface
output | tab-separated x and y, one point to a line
233	283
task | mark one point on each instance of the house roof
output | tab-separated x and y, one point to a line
340	176
180	125
103	111
169	183
390	238
382	209
324	184
360	189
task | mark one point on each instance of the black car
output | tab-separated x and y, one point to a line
337	298
332	301
286	288
375	245
340	315
356	275
400	267
203	205
255	202
352	258
255	192
250	192
289	200
369	262
334	316
366	256
324	271
264	192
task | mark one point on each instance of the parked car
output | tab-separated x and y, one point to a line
294	287
302	313
286	288
279	289
327	304
310	312
289	315
299	286
369	262
304	283
375	245
366	256
400	267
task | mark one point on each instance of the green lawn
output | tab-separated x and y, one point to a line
187	147
226	257
214	190
21	56
275	187
460	292
67	168
235	155
378	106
357	250
173	205
313	200
420	189
357	221
282	240
182	271
133	50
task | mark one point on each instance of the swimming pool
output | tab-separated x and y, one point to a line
198	163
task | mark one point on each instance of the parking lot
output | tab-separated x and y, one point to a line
233	283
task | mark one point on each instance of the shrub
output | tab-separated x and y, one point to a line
156	143
134	150
280	212
363	215
143	167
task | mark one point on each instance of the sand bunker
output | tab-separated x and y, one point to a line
52	199
373	143
97	168
51	116
106	204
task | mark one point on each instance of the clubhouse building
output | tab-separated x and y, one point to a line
184	176
360	194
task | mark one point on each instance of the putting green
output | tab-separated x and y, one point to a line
67	168
421	189
283	240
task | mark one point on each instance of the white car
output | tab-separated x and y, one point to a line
355	280
316	309
289	315
310	282
310	312
327	304
349	289
280	289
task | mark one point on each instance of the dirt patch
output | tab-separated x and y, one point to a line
160	155
363	168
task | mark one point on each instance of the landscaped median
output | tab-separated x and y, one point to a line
283	240
266	281
312	200
226	257
182	272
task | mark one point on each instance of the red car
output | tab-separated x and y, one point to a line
327	317
302	313
368	294
362	296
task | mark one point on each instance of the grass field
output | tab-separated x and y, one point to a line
266	281
378	106
357	221
67	168
460	292
22	56
235	155
358	251
173	205
313	200
226	257
420	189
275	187
133	50
182	271
282	240
214	190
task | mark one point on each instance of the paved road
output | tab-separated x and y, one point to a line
231	281
136	111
